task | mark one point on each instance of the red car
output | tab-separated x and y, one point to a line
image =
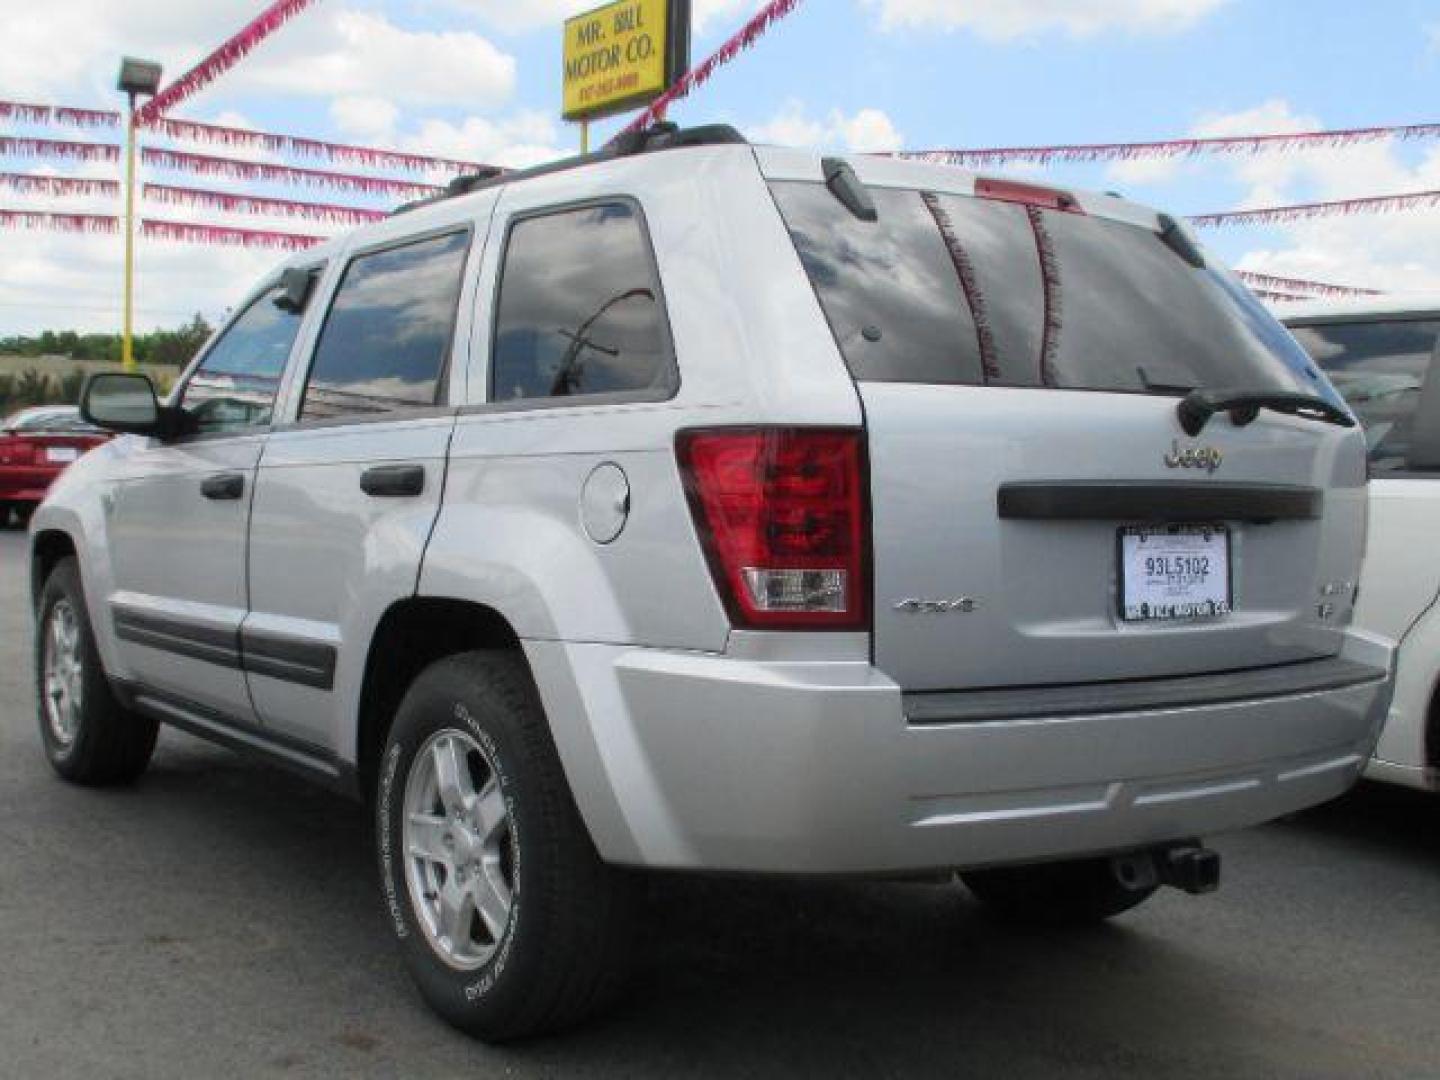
36	445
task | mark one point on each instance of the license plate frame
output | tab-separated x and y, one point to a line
61	455
1144	603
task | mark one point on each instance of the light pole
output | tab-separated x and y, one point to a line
136	77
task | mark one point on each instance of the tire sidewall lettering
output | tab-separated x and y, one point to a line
495	969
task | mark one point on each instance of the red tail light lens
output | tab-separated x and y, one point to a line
783	516
16	451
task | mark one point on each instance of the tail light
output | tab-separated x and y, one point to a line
16	451
783	516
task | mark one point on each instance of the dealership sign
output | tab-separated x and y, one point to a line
624	55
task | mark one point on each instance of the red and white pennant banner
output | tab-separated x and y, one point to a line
230	53
23	113
15	146
225	236
71	223
266	172
31	184
264	207
699	75
1262	282
367	157
1170	148
1280	215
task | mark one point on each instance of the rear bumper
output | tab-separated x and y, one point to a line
705	762
25	484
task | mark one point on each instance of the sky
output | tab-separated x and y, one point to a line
480	80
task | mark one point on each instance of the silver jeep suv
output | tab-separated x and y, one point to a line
700	506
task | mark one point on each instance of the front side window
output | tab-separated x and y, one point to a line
386	339
579	311
234	387
1380	367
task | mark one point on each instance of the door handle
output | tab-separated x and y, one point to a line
225	485
393	481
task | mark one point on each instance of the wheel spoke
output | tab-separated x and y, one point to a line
457	905
425	839
492	898
489	812
452	775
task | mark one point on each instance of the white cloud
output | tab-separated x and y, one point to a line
518	16
365	117
359	54
527	138
866	131
60	281
1395	252
69	50
1006	20
73	47
1271	117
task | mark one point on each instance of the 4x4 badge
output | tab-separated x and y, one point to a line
1193	457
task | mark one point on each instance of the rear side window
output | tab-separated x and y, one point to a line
234	387
957	290
386	338
579	310
1380	367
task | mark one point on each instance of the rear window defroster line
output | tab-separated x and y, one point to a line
969	283
1050	279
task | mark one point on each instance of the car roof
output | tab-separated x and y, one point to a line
1357	308
30	412
436	213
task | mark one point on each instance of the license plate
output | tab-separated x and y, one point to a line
61	453
1174	572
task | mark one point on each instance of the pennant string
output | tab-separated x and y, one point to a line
1277	215
699	75
267	172
226	56
32	184
17	146
1261	282
1169	148
345	153
71	223
225	235
26	113
265	207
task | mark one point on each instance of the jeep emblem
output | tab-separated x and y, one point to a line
1193	457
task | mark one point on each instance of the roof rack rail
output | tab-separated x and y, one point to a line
662	136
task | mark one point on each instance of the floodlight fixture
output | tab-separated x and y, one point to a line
138	77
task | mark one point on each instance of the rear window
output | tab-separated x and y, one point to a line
956	290
1380	367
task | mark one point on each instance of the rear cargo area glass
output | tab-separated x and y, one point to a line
951	289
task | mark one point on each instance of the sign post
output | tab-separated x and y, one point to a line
622	56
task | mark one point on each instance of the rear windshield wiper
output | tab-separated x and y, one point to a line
1197	407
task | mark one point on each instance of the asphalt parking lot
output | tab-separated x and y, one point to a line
220	918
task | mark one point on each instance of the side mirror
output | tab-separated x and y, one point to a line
124	402
295	286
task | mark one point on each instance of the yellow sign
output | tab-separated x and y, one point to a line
622	55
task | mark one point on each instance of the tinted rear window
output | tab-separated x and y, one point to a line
958	290
1380	367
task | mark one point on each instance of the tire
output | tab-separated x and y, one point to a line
1077	893
559	951
23	513
4	514
88	737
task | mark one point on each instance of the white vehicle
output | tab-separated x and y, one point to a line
704	507
1381	354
